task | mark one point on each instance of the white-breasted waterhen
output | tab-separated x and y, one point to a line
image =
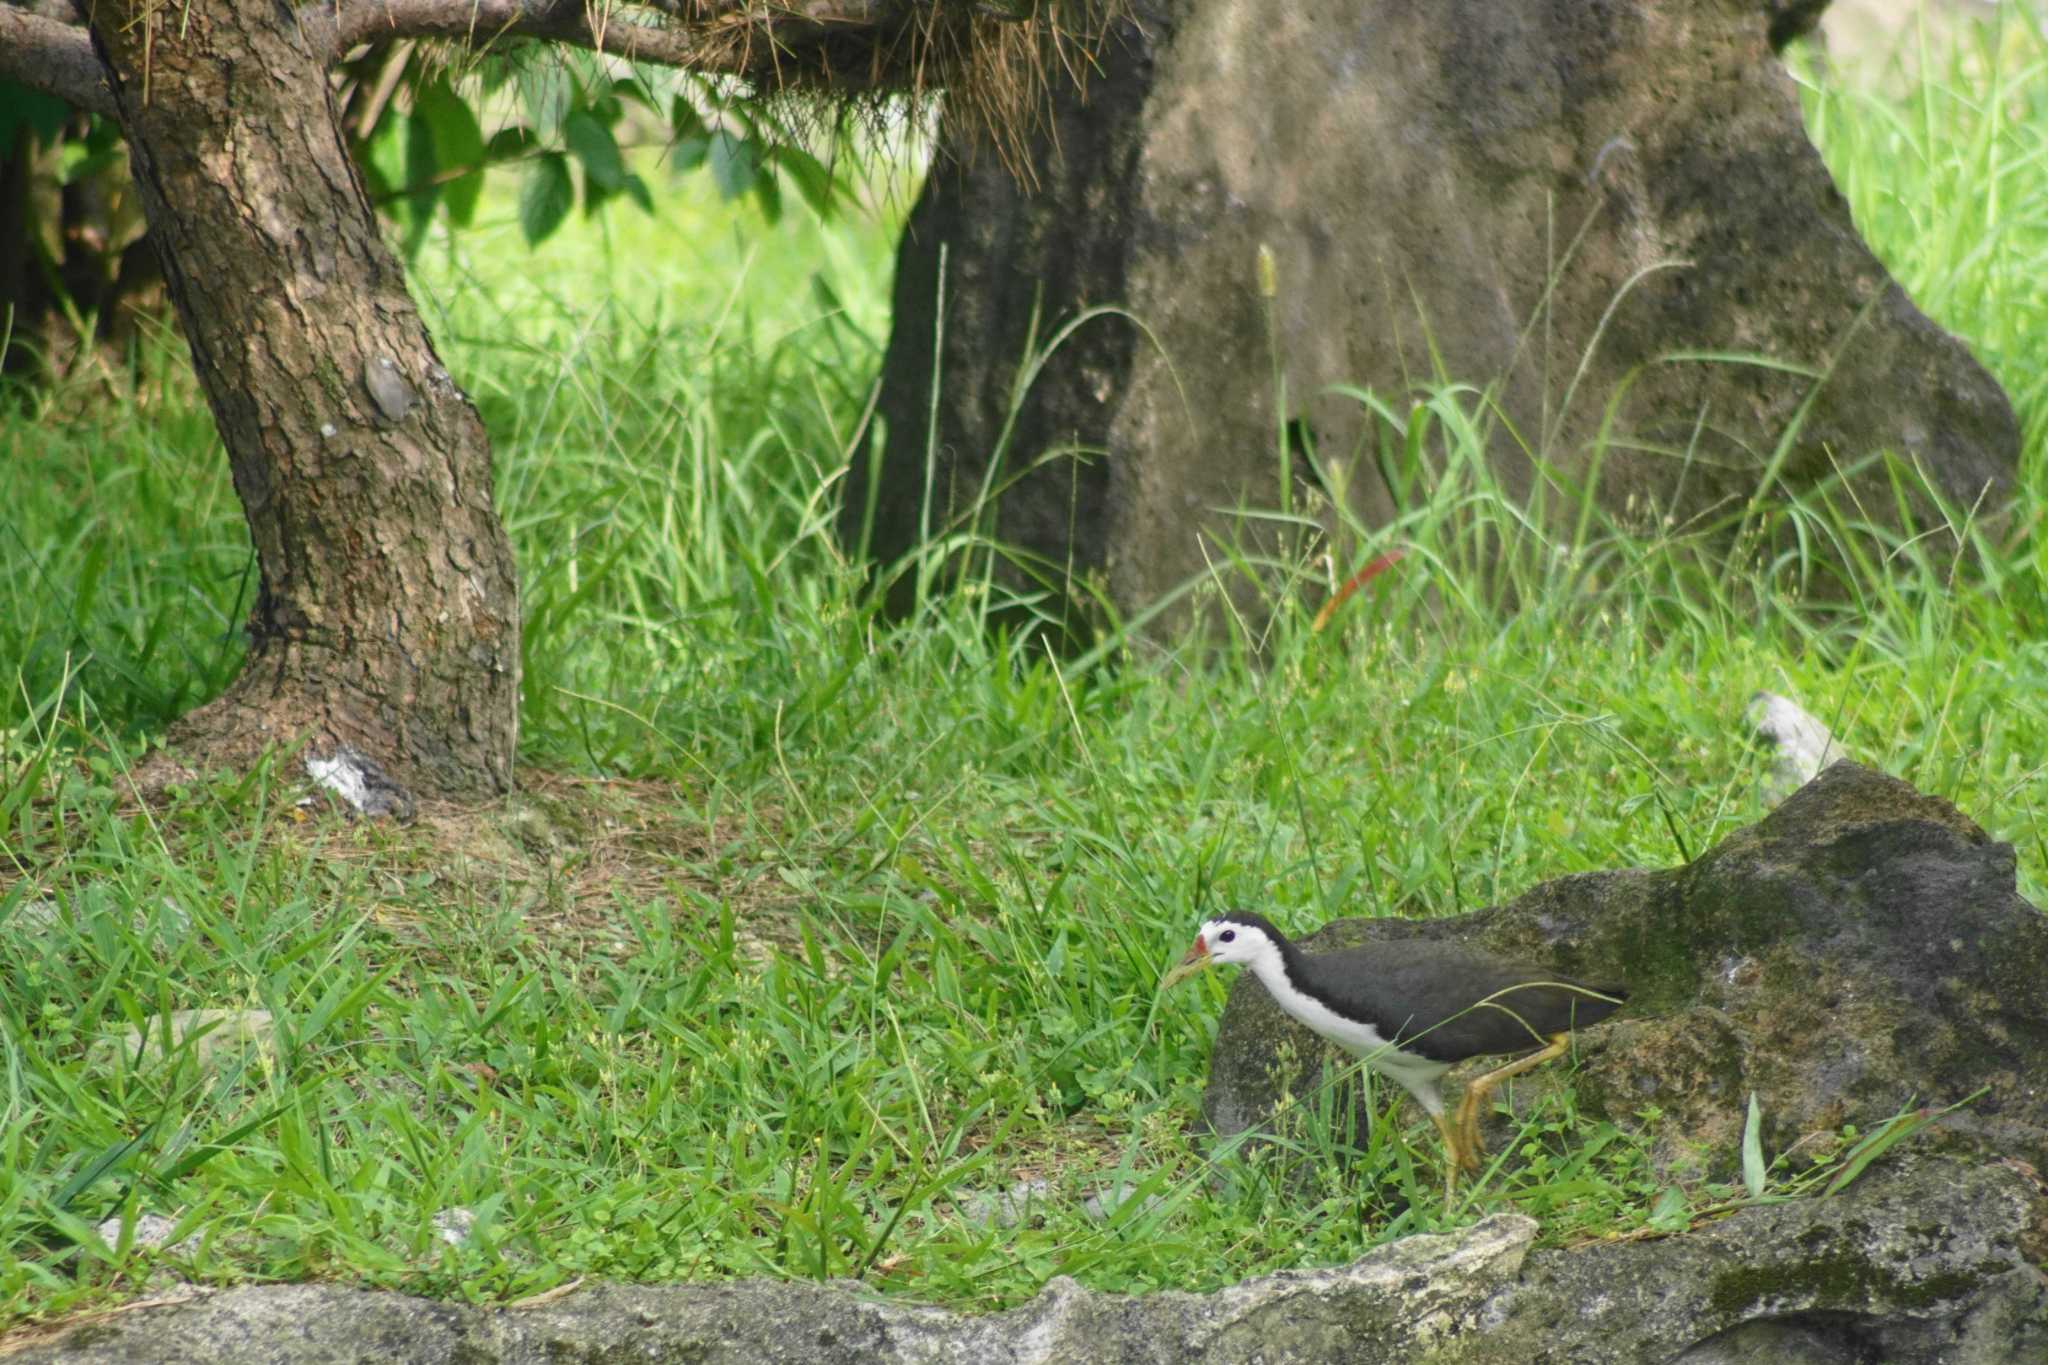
1412	1010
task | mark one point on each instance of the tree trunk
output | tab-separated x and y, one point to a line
1587	206
388	614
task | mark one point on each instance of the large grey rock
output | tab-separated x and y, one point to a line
1554	197
1860	950
1927	1262
1910	1266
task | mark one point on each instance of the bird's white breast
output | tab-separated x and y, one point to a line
1418	1075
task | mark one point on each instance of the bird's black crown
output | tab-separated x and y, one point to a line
1251	920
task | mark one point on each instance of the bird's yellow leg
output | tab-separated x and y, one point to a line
1453	1159
1468	1146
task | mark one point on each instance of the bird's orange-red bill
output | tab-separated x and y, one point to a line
1193	961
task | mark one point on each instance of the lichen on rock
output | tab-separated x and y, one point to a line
1920	1264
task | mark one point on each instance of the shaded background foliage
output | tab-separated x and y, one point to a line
426	125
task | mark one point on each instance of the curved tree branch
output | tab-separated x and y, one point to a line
735	38
477	22
54	57
730	36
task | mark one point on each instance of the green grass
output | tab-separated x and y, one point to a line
810	929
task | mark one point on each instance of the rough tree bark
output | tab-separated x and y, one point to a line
1587	205
388	613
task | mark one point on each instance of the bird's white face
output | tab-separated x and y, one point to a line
1221	941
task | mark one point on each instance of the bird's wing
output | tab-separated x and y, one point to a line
1451	1003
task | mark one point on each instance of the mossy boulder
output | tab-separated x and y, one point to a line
1862	949
1913	1265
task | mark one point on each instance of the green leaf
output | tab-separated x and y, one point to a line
545	198
1671	1210
683	119
635	89
768	190
494	70
108	1160
813	181
735	161
422	163
689	153
1896	1130
21	107
375	181
82	1233
595	147
343	1002
1753	1150
636	190
507	143
458	141
207	1151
